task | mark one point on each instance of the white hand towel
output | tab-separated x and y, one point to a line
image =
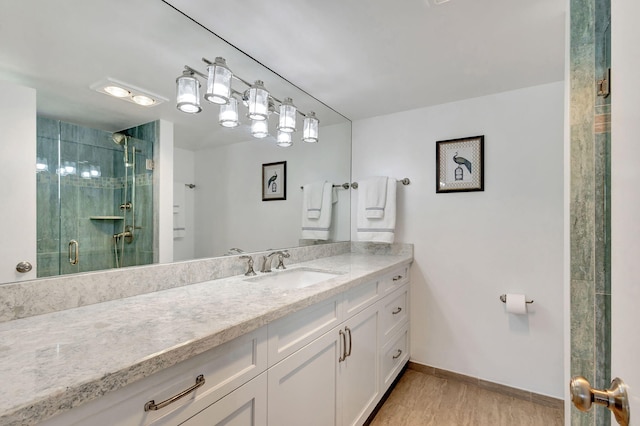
312	196
378	230
179	197
318	229
375	196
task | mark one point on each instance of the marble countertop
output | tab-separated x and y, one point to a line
53	362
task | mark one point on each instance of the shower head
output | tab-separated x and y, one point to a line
119	138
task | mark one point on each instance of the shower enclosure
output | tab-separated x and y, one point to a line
94	197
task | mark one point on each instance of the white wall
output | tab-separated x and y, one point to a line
184	173
163	192
472	247
18	177
229	207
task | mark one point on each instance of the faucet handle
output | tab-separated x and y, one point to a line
281	256
250	272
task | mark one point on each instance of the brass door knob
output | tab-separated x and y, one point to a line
615	398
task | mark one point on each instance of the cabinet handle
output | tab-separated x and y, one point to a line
397	278
152	406
348	330
396	356
74	254
344	346
397	311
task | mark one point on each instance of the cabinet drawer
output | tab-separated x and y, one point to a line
395	311
359	298
292	332
224	368
245	406
395	279
394	355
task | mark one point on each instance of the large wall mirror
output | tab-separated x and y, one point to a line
80	168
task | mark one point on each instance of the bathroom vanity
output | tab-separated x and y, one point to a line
240	351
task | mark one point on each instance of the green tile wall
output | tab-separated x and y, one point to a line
590	203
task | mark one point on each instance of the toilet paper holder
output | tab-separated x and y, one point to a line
503	299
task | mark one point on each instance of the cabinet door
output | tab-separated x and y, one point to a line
245	406
302	387
359	382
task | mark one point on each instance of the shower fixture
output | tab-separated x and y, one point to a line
254	96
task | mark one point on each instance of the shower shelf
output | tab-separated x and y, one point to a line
106	217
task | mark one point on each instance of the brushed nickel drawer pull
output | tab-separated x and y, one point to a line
343	356
397	311
396	356
152	406
397	278
348	330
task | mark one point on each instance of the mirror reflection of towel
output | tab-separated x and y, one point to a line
318	229
312	196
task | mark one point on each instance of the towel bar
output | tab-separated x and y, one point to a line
404	181
343	186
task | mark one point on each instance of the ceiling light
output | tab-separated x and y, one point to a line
188	93
259	129
259	102
310	128
287	122
284	139
127	92
218	82
228	116
117	91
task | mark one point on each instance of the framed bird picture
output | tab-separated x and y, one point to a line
460	165
274	181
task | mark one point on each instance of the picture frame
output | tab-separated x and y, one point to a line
460	165
274	181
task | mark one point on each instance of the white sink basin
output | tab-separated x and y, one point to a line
294	278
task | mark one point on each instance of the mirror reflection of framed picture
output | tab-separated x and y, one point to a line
460	165
274	181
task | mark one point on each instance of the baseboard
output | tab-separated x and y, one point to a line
493	387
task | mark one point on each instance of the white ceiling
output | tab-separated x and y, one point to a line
374	57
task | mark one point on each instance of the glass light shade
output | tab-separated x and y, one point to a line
117	91
143	100
188	93
228	116
287	122
310	128
260	129
284	139
219	82
94	171
85	173
258	102
69	167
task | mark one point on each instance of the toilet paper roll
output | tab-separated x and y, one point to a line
516	304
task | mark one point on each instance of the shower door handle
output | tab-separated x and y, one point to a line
74	252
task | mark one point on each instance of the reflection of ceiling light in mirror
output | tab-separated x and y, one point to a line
310	128
259	129
127	92
117	91
284	139
287	122
228	116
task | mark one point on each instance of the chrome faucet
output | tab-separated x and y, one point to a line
266	260
250	272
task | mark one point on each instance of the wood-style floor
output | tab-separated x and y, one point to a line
421	399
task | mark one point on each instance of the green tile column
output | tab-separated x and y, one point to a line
590	203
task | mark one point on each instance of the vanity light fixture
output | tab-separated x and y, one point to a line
258	102
310	128
127	92
188	93
42	165
228	116
287	122
260	128
218	82
255	97
284	139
